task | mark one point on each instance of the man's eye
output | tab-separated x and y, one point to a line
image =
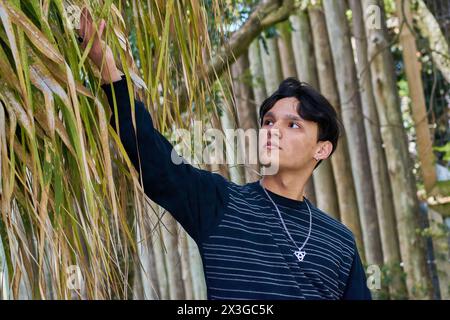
267	122
294	125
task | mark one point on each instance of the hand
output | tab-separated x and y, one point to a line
100	52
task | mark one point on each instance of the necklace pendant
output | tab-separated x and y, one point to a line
300	255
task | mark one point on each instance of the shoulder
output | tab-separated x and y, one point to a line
245	191
336	229
244	197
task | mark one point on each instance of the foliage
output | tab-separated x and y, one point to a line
69	195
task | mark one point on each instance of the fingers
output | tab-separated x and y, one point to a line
101	28
88	29
83	22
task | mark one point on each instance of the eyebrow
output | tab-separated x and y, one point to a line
288	116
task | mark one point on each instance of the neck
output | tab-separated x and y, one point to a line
289	185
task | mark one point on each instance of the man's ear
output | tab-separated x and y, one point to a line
323	151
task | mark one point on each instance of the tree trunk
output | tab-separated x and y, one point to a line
154	230
256	69
173	263
197	274
322	180
339	36
340	159
398	160
146	267
270	58
246	112
302	43
286	51
418	108
138	287
382	187
183	250
429	29
222	167
232	145
4	287
441	252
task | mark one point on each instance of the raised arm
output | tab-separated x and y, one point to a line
194	197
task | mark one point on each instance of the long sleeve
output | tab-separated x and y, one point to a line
356	288
194	197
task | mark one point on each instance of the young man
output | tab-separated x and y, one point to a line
262	240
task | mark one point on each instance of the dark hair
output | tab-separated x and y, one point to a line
312	107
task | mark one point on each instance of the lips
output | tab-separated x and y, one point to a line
271	146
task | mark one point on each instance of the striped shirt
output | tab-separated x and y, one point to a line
245	249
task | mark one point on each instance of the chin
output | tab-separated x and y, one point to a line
270	162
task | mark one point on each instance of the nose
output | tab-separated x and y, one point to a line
274	131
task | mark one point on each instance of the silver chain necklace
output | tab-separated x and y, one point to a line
300	253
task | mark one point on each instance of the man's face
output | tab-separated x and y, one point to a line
290	142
